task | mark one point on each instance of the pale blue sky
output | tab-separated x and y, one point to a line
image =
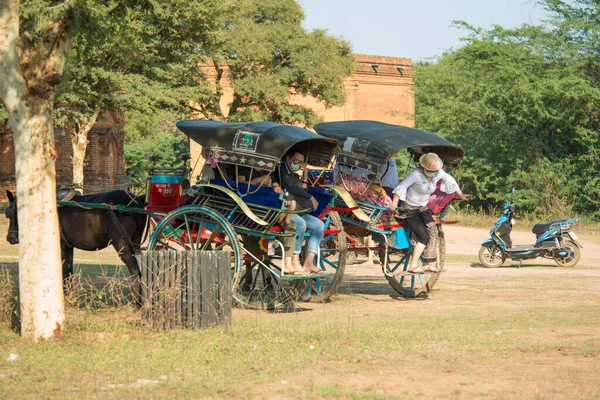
416	29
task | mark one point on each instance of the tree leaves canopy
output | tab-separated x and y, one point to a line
270	55
524	103
137	57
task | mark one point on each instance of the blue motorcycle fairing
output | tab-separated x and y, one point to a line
488	242
549	235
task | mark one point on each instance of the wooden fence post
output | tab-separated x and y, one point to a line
186	289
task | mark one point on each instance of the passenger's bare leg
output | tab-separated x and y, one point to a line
414	261
309	262
370	243
292	265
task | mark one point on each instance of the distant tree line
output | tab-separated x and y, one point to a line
525	105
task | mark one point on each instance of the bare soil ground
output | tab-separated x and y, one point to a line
477	292
552	361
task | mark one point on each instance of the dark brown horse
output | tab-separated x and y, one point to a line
94	229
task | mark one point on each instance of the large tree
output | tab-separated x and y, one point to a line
269	56
524	103
138	55
136	58
34	41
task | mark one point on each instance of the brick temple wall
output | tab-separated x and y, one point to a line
380	89
104	164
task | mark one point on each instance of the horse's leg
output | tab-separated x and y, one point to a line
126	255
67	263
247	285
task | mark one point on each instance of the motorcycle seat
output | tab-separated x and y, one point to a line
541	228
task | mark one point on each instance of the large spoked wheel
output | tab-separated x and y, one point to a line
332	261
193	228
572	257
491	256
408	284
262	285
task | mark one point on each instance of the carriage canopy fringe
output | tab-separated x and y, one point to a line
264	142
376	141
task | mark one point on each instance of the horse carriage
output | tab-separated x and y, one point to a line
233	208
364	147
224	212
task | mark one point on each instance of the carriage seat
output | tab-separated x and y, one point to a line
323	197
263	196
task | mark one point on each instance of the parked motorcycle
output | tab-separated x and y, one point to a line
555	240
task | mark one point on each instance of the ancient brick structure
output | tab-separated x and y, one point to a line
104	165
380	89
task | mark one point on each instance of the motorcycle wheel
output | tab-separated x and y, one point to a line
571	259
491	256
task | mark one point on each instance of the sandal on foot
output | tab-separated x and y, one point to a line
296	273
319	272
435	270
416	270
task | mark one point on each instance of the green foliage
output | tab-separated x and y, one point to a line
524	105
270	56
3	113
163	151
136	56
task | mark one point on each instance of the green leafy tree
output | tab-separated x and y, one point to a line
269	55
166	150
524	105
137	58
138	55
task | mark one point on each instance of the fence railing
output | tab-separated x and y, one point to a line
186	289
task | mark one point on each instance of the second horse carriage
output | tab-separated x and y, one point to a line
364	147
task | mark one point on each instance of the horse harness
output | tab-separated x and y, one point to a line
110	209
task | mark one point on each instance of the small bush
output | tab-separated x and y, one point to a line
8	299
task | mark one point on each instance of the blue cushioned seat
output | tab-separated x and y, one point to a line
264	196
323	197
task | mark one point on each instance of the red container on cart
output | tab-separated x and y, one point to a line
164	191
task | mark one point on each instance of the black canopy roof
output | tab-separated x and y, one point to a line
378	141
262	139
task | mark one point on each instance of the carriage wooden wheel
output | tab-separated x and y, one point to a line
193	228
409	284
332	260
263	285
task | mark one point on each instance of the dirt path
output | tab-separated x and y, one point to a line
549	362
468	290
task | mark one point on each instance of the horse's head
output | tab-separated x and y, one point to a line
13	223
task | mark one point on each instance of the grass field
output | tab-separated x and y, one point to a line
505	333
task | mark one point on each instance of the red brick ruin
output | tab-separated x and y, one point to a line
380	89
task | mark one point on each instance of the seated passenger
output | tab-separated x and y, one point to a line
388	176
261	176
258	176
294	161
363	187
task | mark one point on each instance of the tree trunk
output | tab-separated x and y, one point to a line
29	72
79	141
40	267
